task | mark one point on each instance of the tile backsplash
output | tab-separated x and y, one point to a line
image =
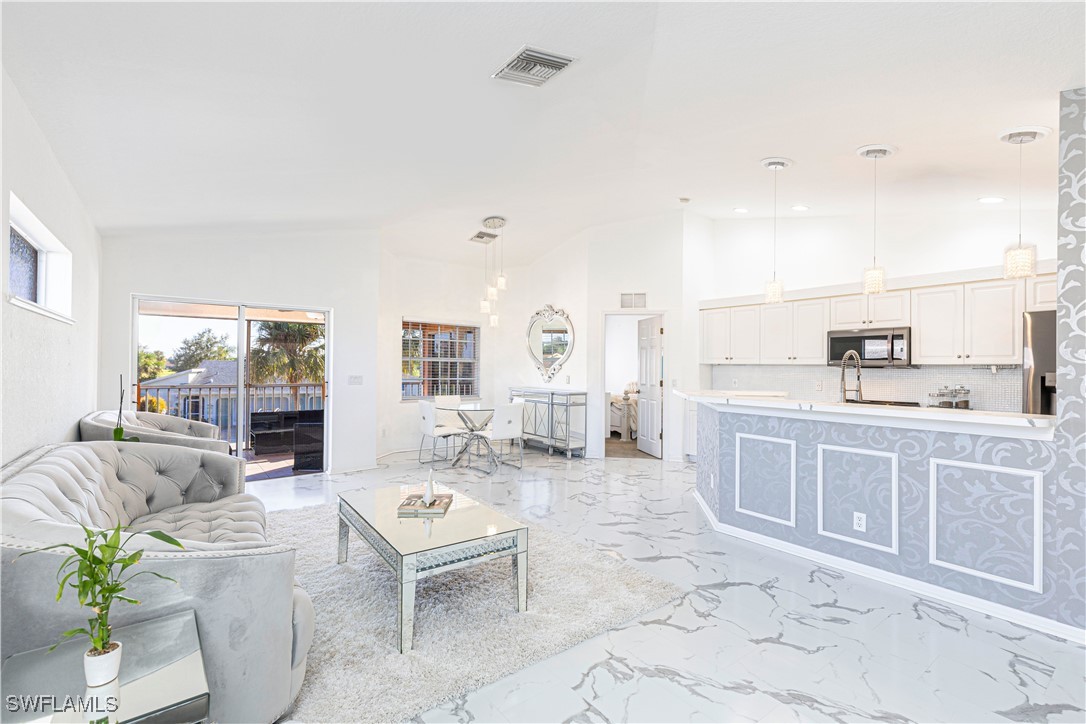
999	391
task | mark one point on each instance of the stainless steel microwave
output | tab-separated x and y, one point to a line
888	347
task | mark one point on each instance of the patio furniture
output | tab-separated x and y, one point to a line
309	446
414	548
153	427
273	432
256	624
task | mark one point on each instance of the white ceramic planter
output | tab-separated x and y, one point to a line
103	669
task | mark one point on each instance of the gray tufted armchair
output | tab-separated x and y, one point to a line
153	427
256	624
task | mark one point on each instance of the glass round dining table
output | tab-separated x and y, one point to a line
475	416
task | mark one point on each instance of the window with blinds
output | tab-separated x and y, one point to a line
439	359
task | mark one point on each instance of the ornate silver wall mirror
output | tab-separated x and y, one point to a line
550	340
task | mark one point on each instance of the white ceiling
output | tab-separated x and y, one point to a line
385	115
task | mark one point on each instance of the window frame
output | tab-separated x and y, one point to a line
428	330
55	282
40	287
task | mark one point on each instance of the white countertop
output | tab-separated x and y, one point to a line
979	422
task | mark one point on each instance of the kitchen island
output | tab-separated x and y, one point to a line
962	505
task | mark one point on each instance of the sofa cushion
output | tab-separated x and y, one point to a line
234	519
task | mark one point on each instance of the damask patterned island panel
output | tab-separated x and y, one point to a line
979	514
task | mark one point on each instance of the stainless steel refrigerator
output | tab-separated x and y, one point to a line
1039	363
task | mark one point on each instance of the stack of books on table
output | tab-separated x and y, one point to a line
414	507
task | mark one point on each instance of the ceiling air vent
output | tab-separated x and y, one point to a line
531	66
483	237
633	301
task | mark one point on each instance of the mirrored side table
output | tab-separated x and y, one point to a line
162	678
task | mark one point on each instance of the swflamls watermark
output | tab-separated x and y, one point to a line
41	703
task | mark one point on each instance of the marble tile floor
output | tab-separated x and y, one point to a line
758	635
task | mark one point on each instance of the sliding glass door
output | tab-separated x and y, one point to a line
258	373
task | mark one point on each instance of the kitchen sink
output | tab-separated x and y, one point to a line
890	403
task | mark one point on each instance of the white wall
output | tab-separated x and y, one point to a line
819	251
620	356
50	368
336	269
423	290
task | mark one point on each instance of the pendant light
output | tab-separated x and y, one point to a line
1021	261
774	289
875	275
484	303
496	222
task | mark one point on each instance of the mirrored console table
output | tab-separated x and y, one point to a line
553	418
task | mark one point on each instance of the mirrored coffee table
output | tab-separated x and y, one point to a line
414	548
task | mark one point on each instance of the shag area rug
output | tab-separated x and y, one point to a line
467	630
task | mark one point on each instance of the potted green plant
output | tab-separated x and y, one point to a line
118	432
98	574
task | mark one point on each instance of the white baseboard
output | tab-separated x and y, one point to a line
920	588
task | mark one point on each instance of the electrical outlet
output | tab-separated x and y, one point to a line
859	522
818	386
354	380
567	379
712	480
735	382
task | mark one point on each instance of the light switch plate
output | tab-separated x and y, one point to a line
355	380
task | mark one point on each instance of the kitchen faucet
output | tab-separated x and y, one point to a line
851	355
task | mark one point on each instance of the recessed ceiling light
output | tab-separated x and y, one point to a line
739	211
991	199
801	207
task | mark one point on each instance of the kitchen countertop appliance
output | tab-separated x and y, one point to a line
1039	363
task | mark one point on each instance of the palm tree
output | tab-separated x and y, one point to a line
291	352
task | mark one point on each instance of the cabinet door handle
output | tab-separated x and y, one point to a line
967	356
959	356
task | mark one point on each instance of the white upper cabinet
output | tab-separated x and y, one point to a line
993	322
967	323
937	324
856	311
715	336
848	312
730	335
745	335
979	323
776	334
1041	293
810	322
890	309
795	332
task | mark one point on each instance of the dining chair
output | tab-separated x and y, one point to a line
430	429
507	425
446	417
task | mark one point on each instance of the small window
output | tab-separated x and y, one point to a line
24	267
439	359
40	267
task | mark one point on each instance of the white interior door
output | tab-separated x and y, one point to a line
650	378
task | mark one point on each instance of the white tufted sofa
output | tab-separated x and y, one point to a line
153	427
256	624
